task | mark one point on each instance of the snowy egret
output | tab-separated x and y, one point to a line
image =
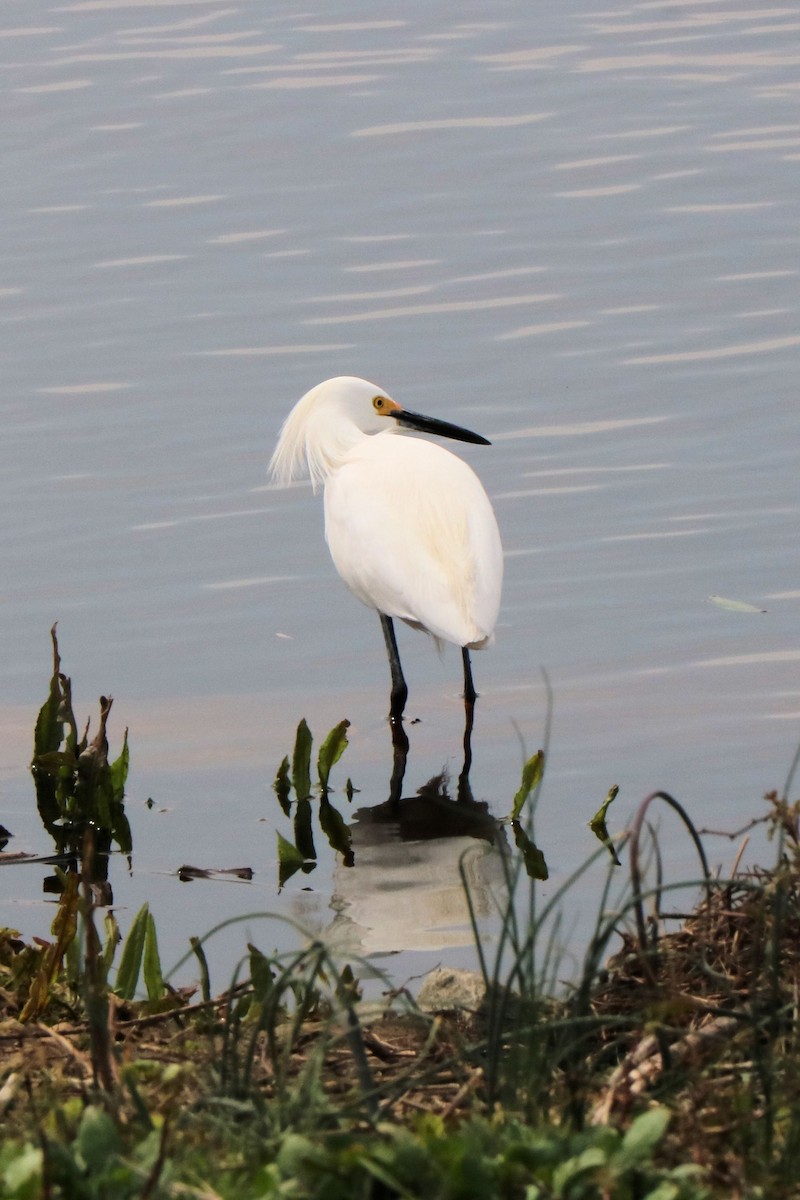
409	526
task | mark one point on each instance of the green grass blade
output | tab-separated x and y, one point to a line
151	963
130	963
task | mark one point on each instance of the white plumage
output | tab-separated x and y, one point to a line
409	526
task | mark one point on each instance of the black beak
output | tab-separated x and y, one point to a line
411	420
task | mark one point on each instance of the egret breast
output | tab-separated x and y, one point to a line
412	533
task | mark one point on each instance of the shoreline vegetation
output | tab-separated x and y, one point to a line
668	1069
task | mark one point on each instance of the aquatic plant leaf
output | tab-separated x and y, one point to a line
290	860
598	824
64	929
331	751
49	723
534	860
119	769
151	962
53	762
735	605
303	835
335	830
531	778
120	829
301	762
262	974
130	963
76	787
113	939
283	787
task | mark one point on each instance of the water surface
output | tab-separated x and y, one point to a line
575	230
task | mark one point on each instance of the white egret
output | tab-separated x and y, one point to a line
409	526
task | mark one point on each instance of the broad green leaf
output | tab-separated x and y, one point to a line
301	762
735	605
121	829
303	835
598	823
331	751
335	830
130	963
289	860
283	787
151	964
531	778
643	1136
567	1175
98	1140
535	865
22	1175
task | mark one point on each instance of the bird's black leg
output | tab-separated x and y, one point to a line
399	693
470	696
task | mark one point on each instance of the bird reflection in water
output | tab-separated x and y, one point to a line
413	535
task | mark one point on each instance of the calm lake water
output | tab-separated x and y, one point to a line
572	228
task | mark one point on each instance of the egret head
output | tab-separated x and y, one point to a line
327	422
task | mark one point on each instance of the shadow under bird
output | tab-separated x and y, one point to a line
409	526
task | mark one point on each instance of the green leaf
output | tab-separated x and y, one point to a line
120	829
56	762
98	1140
113	939
567	1175
262	974
22	1177
331	751
49	725
301	762
131	961
335	830
598	823
289	860
643	1136
303	835
535	865
531	778
202	962
151	964
283	787
119	770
